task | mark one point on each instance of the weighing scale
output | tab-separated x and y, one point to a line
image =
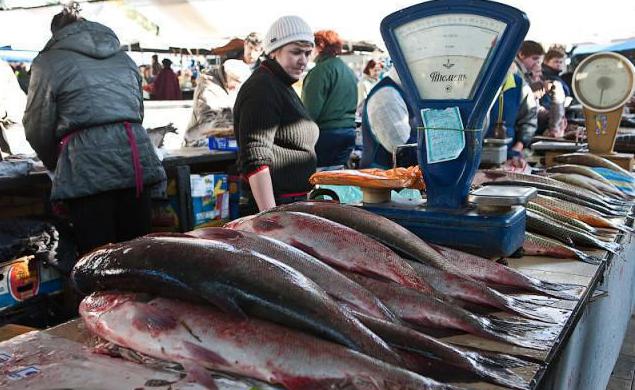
603	83
452	57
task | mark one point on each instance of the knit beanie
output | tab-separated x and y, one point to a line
285	30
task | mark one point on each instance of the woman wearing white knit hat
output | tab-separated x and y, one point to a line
275	133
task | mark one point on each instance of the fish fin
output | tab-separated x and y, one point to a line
212	294
199	375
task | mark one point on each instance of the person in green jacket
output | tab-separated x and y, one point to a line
329	93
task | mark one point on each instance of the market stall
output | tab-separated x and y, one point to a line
487	279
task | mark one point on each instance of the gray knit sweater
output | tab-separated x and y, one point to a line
274	129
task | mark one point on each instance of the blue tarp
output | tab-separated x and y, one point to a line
17	55
628	44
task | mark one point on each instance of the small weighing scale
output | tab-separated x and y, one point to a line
452	57
603	83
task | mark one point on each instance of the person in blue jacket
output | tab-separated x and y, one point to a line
387	122
516	109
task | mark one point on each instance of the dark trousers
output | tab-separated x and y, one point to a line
334	146
111	216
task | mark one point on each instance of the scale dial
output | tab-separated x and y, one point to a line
603	82
446	53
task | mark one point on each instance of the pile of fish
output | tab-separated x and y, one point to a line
576	208
313	295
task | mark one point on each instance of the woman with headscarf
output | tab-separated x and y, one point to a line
275	133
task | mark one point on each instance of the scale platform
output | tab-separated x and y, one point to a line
492	225
494	235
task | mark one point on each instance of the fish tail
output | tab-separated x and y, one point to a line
558	290
528	309
612	247
490	331
590	259
502	376
520	326
498	360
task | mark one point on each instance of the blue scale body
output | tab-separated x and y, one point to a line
447	218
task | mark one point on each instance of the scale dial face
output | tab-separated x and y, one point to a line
446	53
604	81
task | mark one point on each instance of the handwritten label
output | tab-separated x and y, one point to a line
445	139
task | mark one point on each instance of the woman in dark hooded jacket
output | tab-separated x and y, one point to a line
83	119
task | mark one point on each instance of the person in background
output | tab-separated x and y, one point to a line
252	50
529	60
83	119
329	92
515	111
387	122
551	114
166	84
370	77
214	100
275	133
155	66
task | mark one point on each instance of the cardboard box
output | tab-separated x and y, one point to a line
210	198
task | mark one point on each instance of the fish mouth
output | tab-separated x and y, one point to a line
100	302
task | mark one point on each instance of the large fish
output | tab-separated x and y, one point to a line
337	285
424	311
471	290
494	273
543	224
537	245
403	241
591	160
334	244
198	336
567	220
232	279
603	211
582	213
375	226
590	184
492	369
546	183
580	170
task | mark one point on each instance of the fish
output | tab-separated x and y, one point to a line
425	311
590	184
387	232
543	224
590	160
495	273
582	170
380	228
601	210
237	281
203	336
537	245
590	216
335	244
550	184
566	219
494	369
470	290
334	283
